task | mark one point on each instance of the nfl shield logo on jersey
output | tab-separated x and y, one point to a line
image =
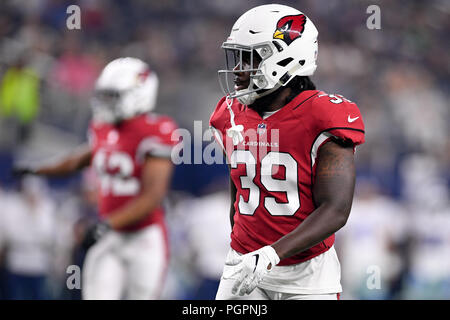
261	128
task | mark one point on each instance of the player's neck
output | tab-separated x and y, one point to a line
272	102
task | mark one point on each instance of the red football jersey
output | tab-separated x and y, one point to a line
273	168
118	153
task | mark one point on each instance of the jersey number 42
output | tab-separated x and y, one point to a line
116	173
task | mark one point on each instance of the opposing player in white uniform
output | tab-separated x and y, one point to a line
129	148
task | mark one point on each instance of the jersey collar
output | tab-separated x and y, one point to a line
293	104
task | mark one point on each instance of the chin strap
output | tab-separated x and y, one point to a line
269	91
235	131
288	75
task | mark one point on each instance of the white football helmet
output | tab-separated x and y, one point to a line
125	88
286	42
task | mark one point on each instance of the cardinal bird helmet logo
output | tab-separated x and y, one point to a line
290	28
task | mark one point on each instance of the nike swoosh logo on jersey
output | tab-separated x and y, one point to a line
351	119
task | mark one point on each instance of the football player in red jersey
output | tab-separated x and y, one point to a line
290	149
129	148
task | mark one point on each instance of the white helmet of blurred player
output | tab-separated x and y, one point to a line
285	41
125	88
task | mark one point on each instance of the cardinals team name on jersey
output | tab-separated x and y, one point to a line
260	144
274	188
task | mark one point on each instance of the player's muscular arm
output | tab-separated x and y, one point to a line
156	176
333	193
75	161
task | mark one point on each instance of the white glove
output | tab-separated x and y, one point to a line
250	269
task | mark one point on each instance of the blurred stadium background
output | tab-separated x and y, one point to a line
399	227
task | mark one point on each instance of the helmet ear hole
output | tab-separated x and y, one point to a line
302	62
284	62
278	46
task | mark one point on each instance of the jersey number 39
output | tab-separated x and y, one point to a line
289	185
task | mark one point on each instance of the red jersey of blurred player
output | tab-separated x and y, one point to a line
274	185
130	149
118	152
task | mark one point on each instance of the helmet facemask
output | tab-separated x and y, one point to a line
125	88
241	58
106	105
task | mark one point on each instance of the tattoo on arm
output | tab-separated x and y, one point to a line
333	194
232	200
335	175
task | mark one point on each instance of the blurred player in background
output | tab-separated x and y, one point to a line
370	246
291	153
129	148
28	230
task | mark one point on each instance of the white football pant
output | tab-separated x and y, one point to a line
126	265
314	279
